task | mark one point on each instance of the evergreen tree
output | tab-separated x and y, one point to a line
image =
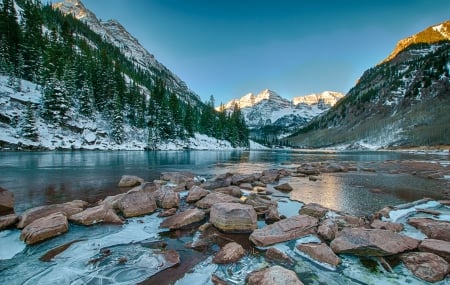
85	98
117	131
55	104
29	129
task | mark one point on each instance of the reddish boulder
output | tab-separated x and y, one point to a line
232	190
183	219
269	176
230	253
371	242
166	198
284	230
285	187
328	229
214	198
278	256
320	252
45	228
130	181
99	214
6	202
432	228
378	224
425	265
439	247
314	210
196	193
275	275
233	217
136	203
8	221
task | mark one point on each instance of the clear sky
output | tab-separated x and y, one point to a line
228	48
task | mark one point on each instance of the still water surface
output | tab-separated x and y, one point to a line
39	178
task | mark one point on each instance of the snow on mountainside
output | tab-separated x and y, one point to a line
79	133
113	32
269	108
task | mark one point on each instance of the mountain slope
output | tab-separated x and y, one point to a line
401	102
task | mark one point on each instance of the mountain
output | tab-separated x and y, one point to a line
278	115
113	32
403	101
70	81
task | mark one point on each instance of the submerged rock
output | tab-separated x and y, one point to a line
69	209
183	219
284	230
45	228
371	242
432	228
136	203
425	265
275	275
230	253
6	202
130	181
320	252
233	217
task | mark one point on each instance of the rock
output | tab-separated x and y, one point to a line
240	178
432	228
234	191
214	198
308	170
183	219
425	265
314	210
6	202
216	280
246	186
69	209
286	187
184	177
383	212
233	217
278	256
320	252
327	229
261	205
168	212
45	228
269	176
230	253
275	275
130	181
8	221
196	193
428	211
136	203
333	167
220	181
371	242
350	221
313	178
98	214
439	247
284	230
166	198
378	224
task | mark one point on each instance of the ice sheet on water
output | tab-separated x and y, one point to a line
201	274
10	244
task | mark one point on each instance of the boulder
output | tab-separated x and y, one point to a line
196	193
308	170
168	212
439	247
238	179
285	187
269	176
230	253
99	214
320	252
371	242
45	228
278	256
327	229
136	203
246	186
378	224
183	219
432	228
261	205
220	181
233	217
166	198
425	265
314	210
333	167
284	230
182	177
6	202
130	181
275	275
69	209
214	198
8	221
234	191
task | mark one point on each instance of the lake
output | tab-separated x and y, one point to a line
40	178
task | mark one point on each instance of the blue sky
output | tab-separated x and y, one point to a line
228	48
